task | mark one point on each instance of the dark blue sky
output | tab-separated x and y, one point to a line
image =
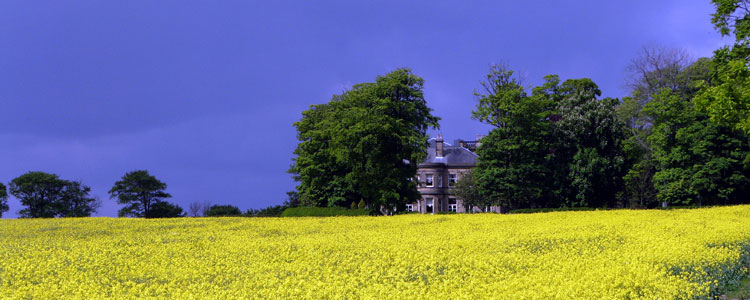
203	95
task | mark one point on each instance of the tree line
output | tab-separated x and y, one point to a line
680	138
45	195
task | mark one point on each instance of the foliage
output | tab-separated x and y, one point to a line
164	209
292	199
47	196
3	199
139	191
323	212
548	209
726	99
559	146
654	69
364	144
223	211
271	211
511	164
588	147
467	189
618	254
699	162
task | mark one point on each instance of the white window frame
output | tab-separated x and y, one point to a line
452	179
429	180
429	202
409	207
454	206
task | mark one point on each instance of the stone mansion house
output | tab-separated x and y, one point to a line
438	173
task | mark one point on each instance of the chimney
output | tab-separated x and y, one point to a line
439	145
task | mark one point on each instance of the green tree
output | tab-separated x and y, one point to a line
588	145
699	162
164	209
466	188
727	98
653	70
47	196
223	211
3	199
139	191
511	167
76	202
364	144
271	211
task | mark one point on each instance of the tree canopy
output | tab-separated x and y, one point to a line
726	99
559	146
164	209
364	144
139	192
45	195
223	211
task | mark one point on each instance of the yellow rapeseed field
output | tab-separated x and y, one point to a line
678	254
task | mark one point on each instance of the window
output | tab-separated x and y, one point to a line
409	207
428	180
428	206
440	181
452	180
452	204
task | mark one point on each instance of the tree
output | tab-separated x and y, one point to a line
466	188
588	144
139	191
3	199
655	69
76	201
292	199
271	211
47	196
511	167
727	98
364	144
223	211
198	209
164	209
699	162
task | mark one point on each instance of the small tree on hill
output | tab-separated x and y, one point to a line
223	211
164	209
47	196
139	191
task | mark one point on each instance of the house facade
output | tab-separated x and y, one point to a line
438	173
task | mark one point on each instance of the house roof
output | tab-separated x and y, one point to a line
452	155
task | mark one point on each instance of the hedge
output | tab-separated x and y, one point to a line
323	212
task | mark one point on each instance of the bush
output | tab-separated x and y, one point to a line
223	211
164	209
271	211
323	212
538	210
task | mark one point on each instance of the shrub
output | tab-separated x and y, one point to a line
223	211
538	210
271	211
323	212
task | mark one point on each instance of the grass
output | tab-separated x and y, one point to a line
741	292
